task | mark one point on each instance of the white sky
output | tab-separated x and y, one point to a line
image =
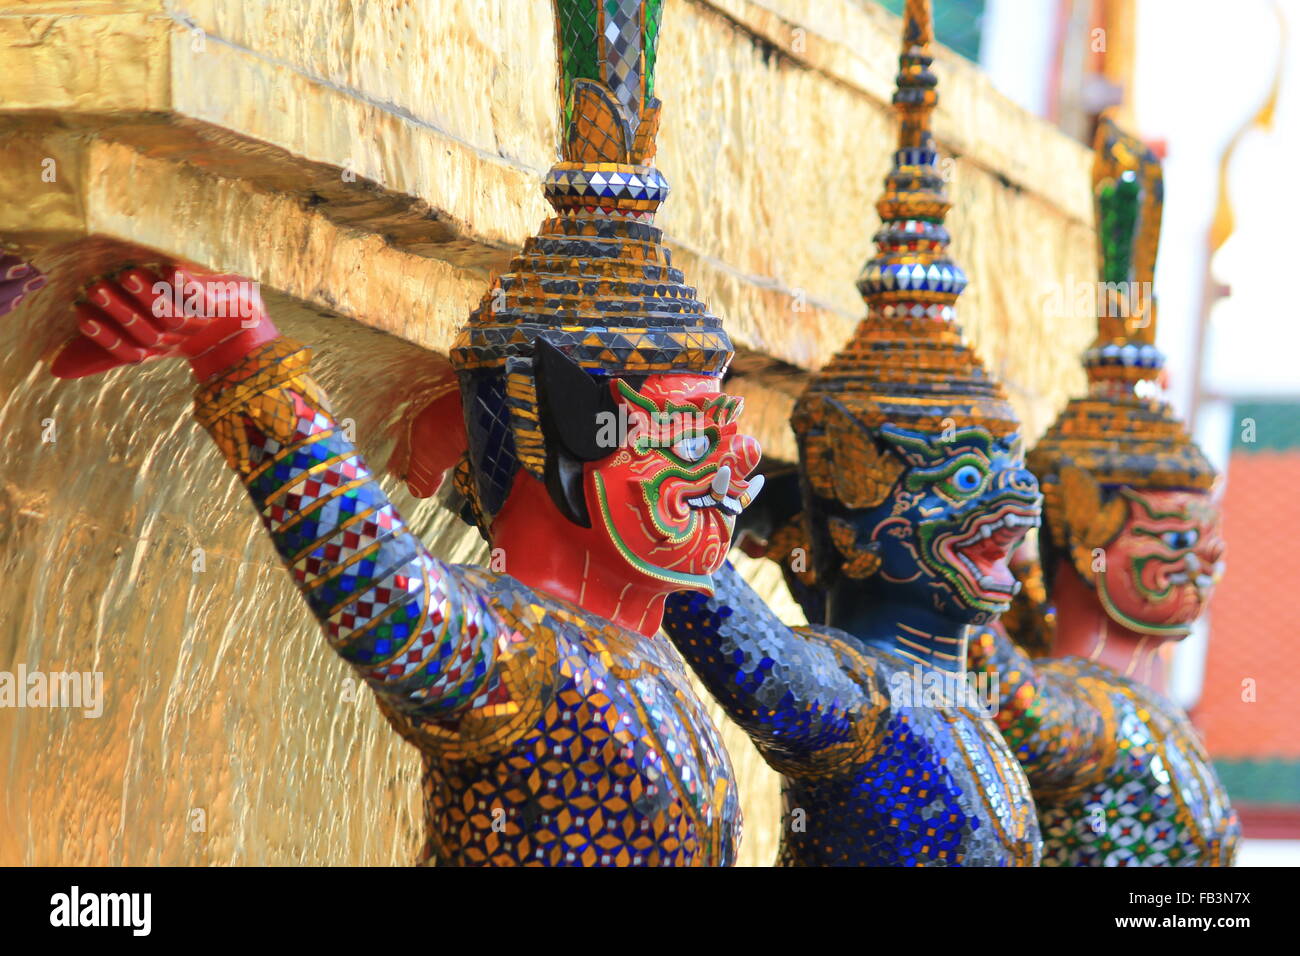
1203	68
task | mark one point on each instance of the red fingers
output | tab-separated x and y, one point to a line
154	295
133	318
144	312
100	328
174	299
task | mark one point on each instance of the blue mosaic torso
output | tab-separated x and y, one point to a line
866	783
938	788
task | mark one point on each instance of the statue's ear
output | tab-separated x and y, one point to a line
575	408
431	441
865	472
1096	523
564	484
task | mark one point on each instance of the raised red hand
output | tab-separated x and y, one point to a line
432	442
141	313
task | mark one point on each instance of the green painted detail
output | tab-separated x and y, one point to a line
652	492
1265	426
1274	782
919	478
647	405
929	533
665	448
1147	510
1132	623
1118	205
579	41
1139	567
935	446
654	10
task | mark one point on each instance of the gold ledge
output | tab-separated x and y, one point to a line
1026	151
353	143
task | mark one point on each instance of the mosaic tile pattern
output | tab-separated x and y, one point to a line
865	782
549	735
906	363
611	42
1118	774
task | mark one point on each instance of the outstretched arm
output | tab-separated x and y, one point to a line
799	695
1049	721
423	639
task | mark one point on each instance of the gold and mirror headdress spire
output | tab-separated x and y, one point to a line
906	363
596	282
1122	433
1128	197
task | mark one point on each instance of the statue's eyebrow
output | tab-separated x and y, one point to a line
719	407
1154	515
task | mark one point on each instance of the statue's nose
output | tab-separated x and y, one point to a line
742	454
1016	479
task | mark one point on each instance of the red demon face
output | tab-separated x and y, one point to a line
668	498
1162	567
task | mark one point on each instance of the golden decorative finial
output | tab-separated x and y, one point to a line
906	364
916	97
1128	190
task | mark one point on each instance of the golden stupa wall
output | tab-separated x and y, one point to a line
371	164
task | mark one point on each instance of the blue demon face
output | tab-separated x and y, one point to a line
944	535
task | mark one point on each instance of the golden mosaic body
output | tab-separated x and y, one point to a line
1117	771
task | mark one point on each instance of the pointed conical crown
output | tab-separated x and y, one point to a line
596	281
906	363
1122	432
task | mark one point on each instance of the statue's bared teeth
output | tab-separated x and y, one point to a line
721	482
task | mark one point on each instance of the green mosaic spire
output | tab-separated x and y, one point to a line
1128	190
1118	202
612	43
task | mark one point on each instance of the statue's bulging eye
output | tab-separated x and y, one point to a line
967	479
1181	540
691	447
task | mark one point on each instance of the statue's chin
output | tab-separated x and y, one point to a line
1173	625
